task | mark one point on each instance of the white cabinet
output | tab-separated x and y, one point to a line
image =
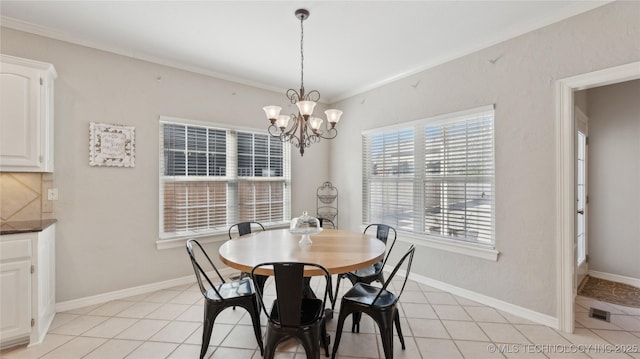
26	115
15	300
27	286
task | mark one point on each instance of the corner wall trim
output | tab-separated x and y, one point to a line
129	292
521	312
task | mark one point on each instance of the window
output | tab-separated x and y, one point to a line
433	176
214	176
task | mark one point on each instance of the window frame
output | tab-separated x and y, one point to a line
231	178
417	234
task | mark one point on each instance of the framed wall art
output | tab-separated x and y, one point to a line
111	145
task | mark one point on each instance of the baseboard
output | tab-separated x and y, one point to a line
615	278
461	292
130	292
521	312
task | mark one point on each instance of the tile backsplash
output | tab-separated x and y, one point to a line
23	196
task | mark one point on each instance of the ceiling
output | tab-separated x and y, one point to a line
349	46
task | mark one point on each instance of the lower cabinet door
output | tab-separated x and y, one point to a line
15	300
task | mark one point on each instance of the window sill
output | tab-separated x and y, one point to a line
179	242
467	249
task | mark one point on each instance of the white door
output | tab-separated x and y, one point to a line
581	251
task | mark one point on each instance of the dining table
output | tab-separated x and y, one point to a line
339	251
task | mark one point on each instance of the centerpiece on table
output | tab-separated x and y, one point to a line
305	225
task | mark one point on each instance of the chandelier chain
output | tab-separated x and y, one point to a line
302	53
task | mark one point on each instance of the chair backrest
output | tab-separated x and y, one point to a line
196	252
290	282
325	222
244	228
382	233
408	255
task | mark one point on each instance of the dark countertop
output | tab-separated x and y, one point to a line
13	227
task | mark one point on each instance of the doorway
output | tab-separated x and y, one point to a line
582	243
566	180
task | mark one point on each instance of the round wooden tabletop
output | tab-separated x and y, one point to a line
337	250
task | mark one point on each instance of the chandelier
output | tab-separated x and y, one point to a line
302	129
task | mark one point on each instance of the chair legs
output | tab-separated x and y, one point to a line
335	296
355	326
341	317
210	314
255	319
325	339
399	329
308	340
311	344
385	320
207	328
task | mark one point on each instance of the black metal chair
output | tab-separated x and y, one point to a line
326	223
294	314
379	303
373	272
244	228
218	297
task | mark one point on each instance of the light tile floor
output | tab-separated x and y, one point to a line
436	324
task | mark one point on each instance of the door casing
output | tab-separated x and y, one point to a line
565	178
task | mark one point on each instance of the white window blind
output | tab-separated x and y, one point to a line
212	177
260	160
433	176
389	179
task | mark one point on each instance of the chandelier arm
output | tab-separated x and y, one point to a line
293	96
274	131
295	141
313	95
291	131
331	134
284	138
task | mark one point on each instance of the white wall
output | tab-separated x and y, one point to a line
614	179
518	76
108	217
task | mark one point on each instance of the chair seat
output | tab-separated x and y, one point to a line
365	294
311	310
229	290
369	271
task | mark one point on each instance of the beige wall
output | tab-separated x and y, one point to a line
518	76
614	179
108	217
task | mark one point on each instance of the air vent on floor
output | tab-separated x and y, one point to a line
600	314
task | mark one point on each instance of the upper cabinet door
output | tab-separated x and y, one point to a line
26	115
